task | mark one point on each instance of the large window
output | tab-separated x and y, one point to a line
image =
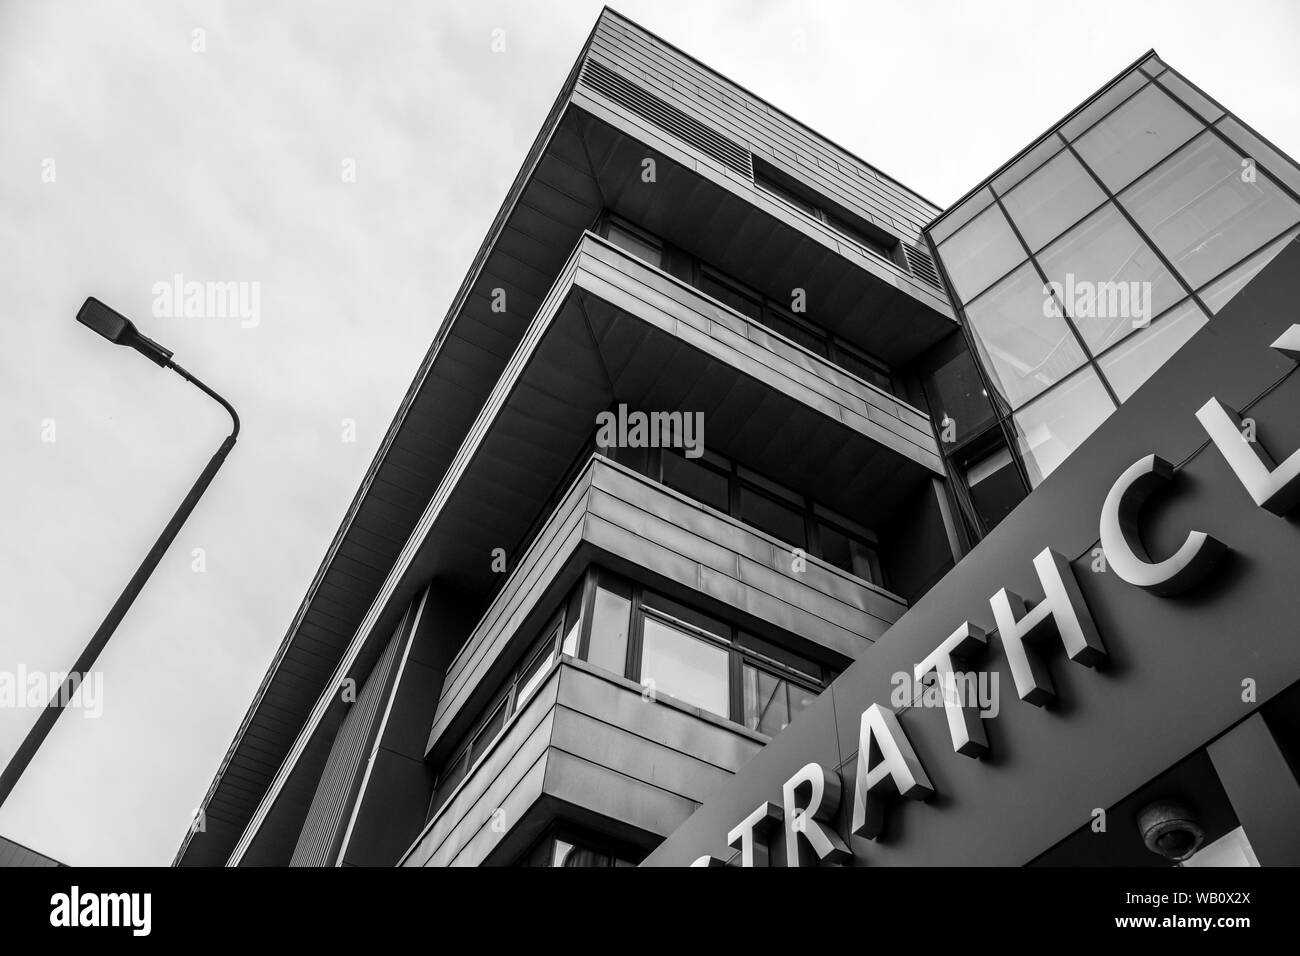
791	518
1024	341
699	660
1148	209
1206	210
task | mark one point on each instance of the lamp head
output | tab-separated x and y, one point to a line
120	330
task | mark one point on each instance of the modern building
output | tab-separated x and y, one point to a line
701	443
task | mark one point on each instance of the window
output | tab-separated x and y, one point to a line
1058	422
1111	280
690	668
750	303
1024	349
770	700
1221	291
994	485
984	250
1135	137
773	509
819	209
695	479
1051	199
1132	362
1201	211
777	518
607	645
955	391
728	293
637	243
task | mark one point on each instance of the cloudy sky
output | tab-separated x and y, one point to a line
135	150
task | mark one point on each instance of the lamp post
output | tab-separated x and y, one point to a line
119	330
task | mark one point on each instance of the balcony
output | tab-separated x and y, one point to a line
586	746
623	521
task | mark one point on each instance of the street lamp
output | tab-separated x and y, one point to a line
119	330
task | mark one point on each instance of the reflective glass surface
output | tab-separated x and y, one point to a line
1025	348
1132	362
685	667
1136	136
609	623
985	249
1220	292
1206	211
1051	199
1110	280
1058	422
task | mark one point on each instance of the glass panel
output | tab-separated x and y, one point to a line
956	393
995	486
685	667
961	215
1220	293
609	623
483	739
696	481
984	250
796	662
863	368
632	243
777	519
572	621
1026	164
853	556
1152	66
1200	211
1024	347
794	331
1102	105
767	707
728	294
1190	96
1128	365
1277	165
1136	136
1109	279
535	671
1058	423
1050	200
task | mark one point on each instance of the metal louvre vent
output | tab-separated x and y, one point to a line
921	266
667	117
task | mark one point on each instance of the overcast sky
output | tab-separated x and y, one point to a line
128	157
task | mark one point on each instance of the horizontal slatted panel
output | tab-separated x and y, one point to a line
668	118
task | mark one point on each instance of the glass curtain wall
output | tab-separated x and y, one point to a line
1090	260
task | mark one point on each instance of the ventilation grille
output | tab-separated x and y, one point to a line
667	117
919	262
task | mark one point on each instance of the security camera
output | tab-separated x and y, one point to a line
1169	828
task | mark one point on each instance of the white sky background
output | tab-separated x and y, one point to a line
226	165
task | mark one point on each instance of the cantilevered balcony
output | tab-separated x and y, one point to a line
621	520
586	746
